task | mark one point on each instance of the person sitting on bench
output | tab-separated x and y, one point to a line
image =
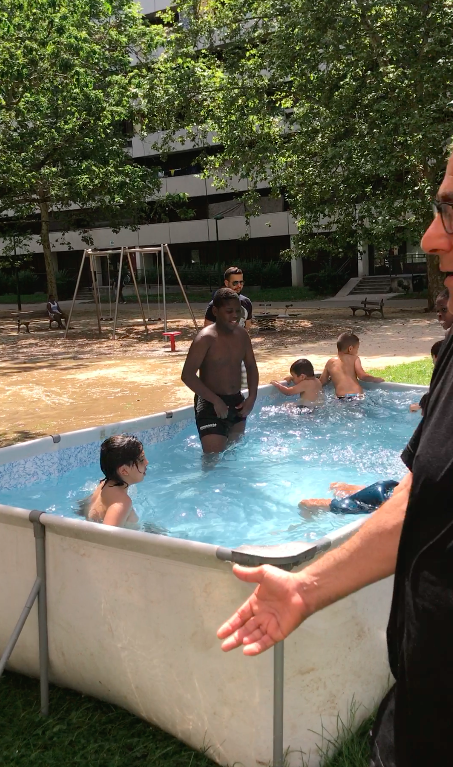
55	312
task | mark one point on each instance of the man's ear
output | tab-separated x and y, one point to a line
226	283
214	311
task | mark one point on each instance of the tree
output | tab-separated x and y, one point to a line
69	98
15	255
346	106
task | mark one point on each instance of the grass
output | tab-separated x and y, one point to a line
33	298
83	731
418	372
349	747
80	731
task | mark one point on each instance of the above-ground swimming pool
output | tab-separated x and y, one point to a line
250	494
133	616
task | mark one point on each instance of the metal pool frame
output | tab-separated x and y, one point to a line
285	556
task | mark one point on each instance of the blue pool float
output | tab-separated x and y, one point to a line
366	500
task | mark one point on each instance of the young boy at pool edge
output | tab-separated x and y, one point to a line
123	463
217	353
305	383
435	351
346	370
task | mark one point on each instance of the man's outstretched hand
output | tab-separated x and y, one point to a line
274	610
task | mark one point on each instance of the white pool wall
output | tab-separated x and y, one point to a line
133	620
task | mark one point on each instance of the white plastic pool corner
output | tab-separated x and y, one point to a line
132	619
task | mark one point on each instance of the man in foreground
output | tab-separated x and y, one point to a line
410	535
218	352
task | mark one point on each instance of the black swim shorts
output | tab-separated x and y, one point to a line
207	420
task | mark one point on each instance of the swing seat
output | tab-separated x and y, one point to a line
172	336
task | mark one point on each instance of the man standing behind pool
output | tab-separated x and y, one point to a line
234	280
217	352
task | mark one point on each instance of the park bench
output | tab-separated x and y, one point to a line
369	307
26	318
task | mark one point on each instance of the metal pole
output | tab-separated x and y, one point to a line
158	287
278	756
19	625
136	290
217	239
68	322
164	299
182	287
93	277
40	546
146	286
118	288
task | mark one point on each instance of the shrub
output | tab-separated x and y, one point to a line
66	282
325	282
267	274
27	282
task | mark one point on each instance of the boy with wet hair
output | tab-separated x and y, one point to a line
435	351
444	315
305	383
217	353
346	370
123	463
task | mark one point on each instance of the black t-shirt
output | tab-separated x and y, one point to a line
415	723
246	311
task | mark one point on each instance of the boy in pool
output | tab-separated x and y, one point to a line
123	463
352	499
349	499
217	352
346	370
444	315
306	384
435	349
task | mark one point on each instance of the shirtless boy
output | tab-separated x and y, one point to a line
306	384
444	315
346	370
217	352
123	463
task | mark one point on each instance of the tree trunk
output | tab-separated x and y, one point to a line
435	280
47	250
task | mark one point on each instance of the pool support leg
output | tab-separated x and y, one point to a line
40	546
278	756
38	591
19	625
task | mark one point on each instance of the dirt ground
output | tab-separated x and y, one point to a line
49	385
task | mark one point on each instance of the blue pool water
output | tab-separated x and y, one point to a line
251	494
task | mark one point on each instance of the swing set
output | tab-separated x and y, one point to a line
124	254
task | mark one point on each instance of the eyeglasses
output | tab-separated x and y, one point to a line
238	282
445	210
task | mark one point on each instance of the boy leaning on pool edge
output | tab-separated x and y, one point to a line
345	370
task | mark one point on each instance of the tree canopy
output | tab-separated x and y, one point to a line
72	76
346	106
